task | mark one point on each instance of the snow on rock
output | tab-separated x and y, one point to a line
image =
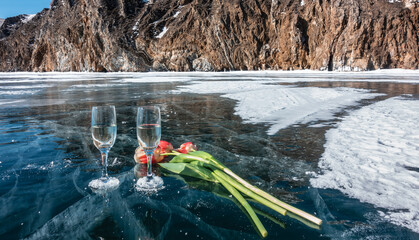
176	14
373	155
135	28
407	3
28	18
278	105
162	32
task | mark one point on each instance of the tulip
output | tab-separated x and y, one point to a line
205	160
187	148
202	165
164	147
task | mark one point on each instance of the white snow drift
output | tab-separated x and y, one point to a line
278	105
373	155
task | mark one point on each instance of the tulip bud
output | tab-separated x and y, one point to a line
187	147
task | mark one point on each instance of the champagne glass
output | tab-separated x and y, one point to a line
148	135
104	135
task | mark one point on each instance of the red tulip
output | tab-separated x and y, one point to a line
187	147
164	147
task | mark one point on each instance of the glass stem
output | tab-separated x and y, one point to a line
104	154
149	163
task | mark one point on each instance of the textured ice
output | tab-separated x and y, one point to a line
281	106
47	157
77	220
373	154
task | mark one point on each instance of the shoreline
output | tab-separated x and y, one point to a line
381	75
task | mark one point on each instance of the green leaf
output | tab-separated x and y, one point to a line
187	158
208	157
196	156
189	170
203	164
202	154
175	168
181	158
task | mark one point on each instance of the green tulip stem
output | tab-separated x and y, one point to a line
271	198
216	164
244	203
249	193
263	194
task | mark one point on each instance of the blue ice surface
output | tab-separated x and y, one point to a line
47	160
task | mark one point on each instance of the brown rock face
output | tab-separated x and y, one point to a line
214	35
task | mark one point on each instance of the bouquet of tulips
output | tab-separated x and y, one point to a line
198	164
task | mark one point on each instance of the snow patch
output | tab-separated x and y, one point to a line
152	79
28	18
278	105
26	86
162	32
372	155
176	14
20	92
135	28
9	102
104	85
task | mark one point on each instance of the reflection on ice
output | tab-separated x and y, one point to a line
80	220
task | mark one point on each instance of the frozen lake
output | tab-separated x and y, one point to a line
343	146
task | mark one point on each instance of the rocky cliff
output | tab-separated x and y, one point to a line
213	35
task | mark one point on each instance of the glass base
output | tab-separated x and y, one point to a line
103	185
149	184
